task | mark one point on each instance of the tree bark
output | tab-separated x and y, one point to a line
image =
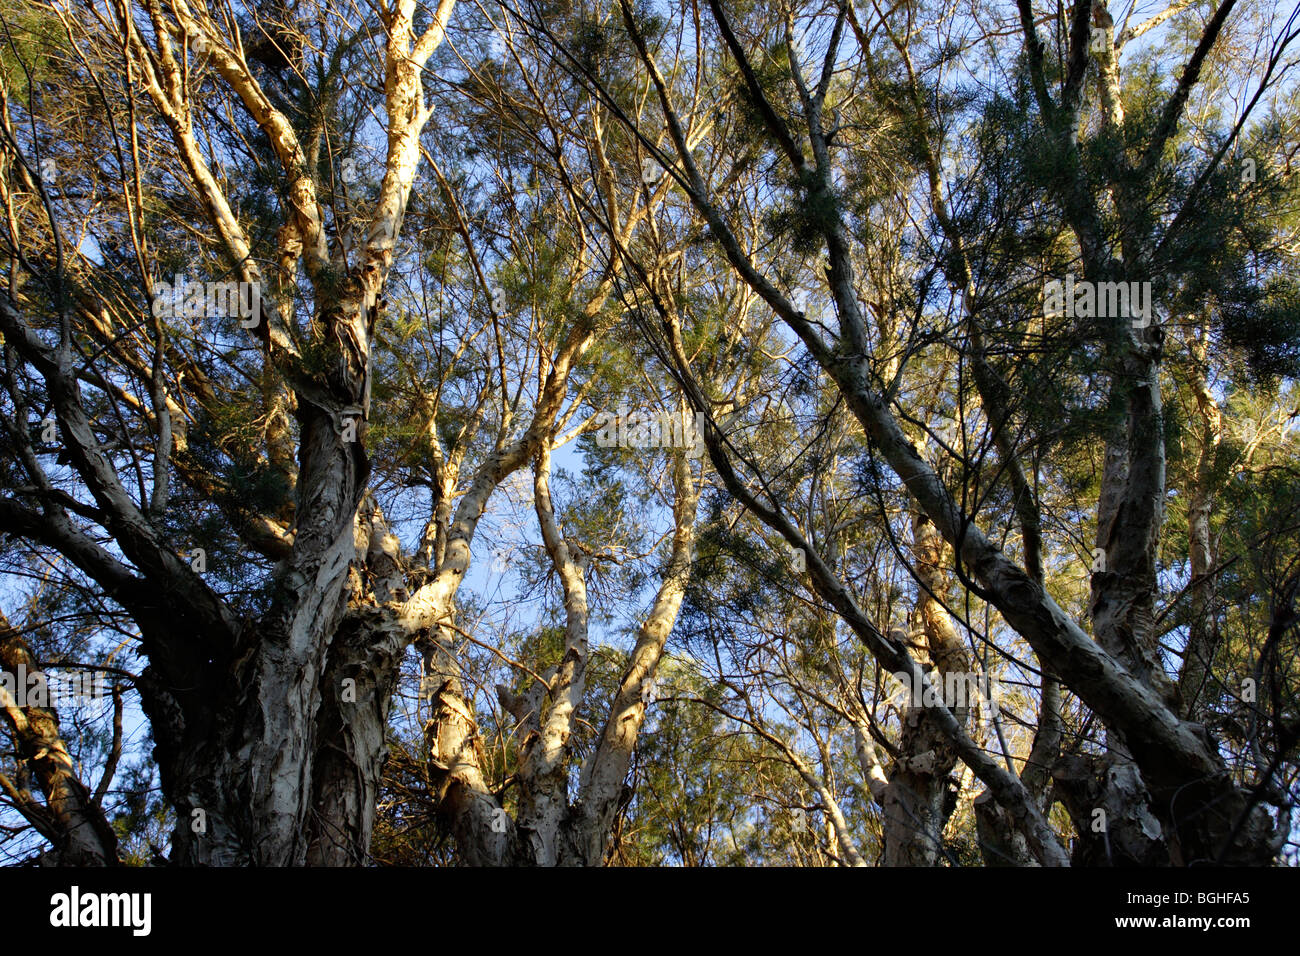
917	804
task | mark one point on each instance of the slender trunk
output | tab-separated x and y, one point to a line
917	802
1202	636
604	772
70	817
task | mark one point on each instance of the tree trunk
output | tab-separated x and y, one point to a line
70	818
240	762
917	802
1198	657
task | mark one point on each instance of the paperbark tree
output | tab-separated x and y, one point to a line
233	704
265	400
1156	755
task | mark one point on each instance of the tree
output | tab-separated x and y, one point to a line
1154	757
579	434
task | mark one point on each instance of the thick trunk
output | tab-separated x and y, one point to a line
352	743
240	708
916	805
485	834
1112	813
361	676
239	763
1001	844
1107	797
